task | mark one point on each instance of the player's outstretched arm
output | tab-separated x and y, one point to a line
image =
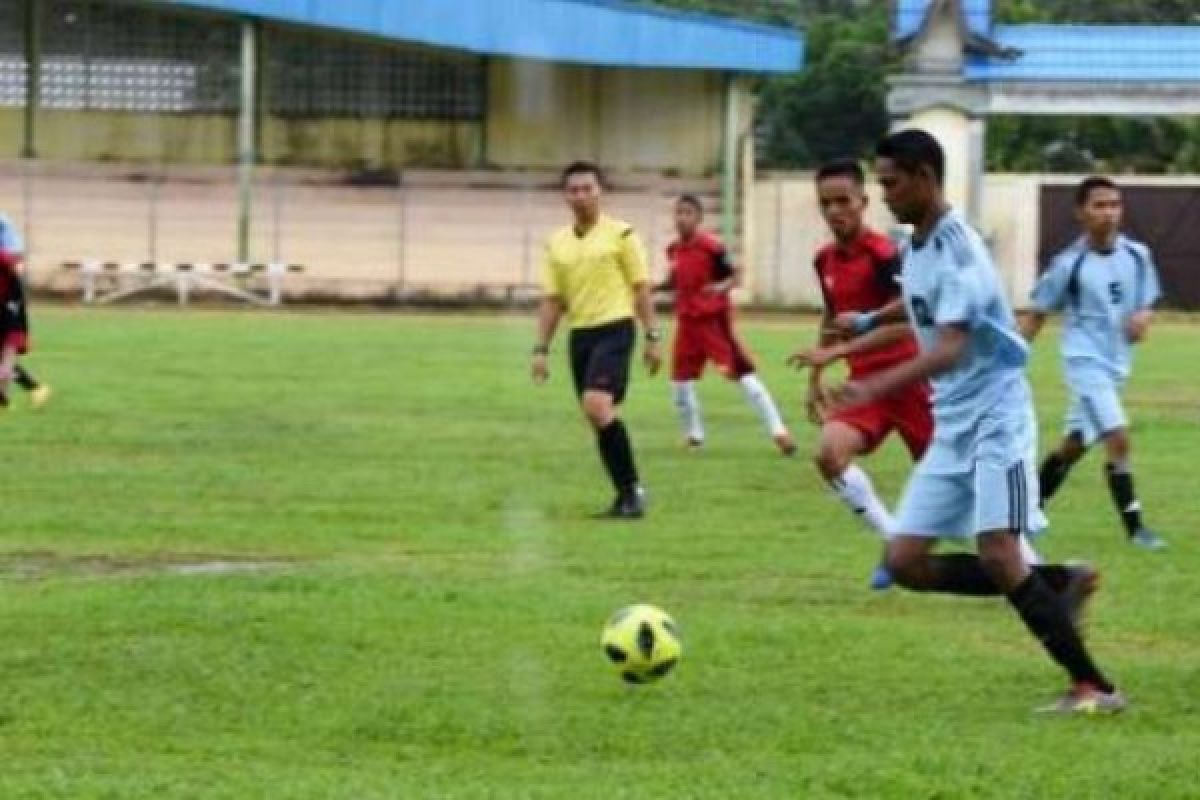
826	337
820	357
856	323
949	347
550	312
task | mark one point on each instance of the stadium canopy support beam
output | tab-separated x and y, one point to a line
33	77
729	164
247	136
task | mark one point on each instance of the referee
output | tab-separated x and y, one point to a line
595	273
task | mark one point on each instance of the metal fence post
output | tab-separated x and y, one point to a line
277	216
779	244
401	235
154	191
526	232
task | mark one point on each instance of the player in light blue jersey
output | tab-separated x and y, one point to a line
1106	286
977	479
13	323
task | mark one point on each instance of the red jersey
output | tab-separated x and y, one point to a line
863	276
695	263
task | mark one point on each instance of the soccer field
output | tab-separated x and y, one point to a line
420	608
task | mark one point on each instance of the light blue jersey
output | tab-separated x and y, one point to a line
11	242
1098	292
949	279
980	472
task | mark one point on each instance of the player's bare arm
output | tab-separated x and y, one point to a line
550	312
814	402
726	285
821	357
856	323
1031	323
1139	325
948	349
643	306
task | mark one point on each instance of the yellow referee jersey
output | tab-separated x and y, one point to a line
594	274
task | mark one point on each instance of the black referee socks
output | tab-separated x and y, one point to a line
617	454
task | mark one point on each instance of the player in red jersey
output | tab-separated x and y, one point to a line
858	274
702	278
859	278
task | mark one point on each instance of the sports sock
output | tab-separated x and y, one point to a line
1120	485
758	397
24	378
854	488
1028	553
1051	476
1044	614
687	404
1056	576
617	454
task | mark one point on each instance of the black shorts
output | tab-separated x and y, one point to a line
600	358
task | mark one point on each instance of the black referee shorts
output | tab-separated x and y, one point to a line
600	358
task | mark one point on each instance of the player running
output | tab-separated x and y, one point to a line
977	478
595	273
702	277
1107	286
14	326
857	274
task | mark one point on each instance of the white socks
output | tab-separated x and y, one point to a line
687	404
1028	553
855	490
758	397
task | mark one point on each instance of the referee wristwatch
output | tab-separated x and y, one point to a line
654	335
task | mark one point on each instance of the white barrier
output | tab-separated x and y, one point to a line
108	281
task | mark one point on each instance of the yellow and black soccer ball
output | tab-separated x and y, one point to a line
642	642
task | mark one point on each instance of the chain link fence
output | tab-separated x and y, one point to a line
393	236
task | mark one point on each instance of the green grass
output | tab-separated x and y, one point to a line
434	629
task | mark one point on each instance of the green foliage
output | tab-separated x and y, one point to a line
836	107
1104	12
436	632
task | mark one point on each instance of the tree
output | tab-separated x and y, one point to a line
837	106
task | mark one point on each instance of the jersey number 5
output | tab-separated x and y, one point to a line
1115	293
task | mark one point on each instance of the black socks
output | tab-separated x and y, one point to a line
1044	613
617	453
1120	485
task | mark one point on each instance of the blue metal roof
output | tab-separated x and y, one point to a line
1093	53
909	14
600	32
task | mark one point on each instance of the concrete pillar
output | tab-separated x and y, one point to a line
247	135
961	138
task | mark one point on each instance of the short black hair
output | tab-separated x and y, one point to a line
581	168
1083	192
689	199
842	168
912	149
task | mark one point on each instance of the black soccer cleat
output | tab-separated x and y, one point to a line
630	504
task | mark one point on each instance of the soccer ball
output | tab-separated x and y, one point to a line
642	642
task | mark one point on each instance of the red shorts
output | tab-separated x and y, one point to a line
908	411
699	340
